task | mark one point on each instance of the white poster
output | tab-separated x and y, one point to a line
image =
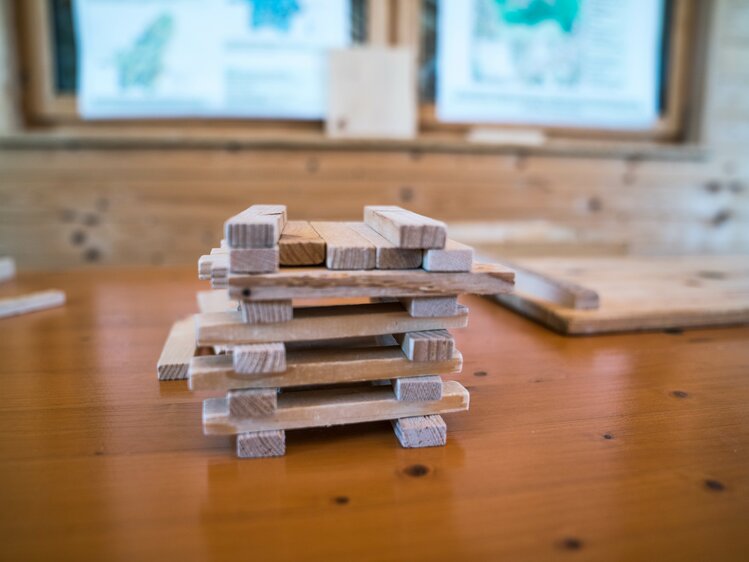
574	63
206	58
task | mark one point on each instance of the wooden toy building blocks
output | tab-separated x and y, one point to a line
284	363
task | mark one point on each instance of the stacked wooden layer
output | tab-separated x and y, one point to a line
286	363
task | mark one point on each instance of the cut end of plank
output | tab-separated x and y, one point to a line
261	444
421	431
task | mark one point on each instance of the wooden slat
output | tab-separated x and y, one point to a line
300	244
404	228
424	307
266	312
252	403
292	283
32	302
319	366
322	408
258	226
320	323
259	358
215	301
345	249
430	345
418	389
253	260
261	444
388	255
7	269
453	257
179	348
421	431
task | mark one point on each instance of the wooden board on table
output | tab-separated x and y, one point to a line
31	302
320	282
178	349
335	406
321	323
319	366
640	293
300	244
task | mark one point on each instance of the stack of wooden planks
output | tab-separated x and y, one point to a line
316	324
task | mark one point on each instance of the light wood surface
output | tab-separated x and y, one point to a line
31	302
7	268
258	226
640	293
266	312
179	348
387	254
421	431
300	244
259	358
254	260
344	247
405	228
314	282
453	257
615	447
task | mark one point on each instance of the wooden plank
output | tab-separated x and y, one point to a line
421	431
345	249
418	389
205	264
259	358
336	406
258	226
252	403
319	366
216	300
553	289
321	323
425	307
179	348
254	260
429	345
453	257
387	254
261	444
404	228
315	282
266	312
300	244
642	293
7	269
31	302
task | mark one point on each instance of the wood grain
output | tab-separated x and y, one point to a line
300	244
404	228
418	389
344	247
179	348
421	431
453	257
319	366
266	312
428	345
642	293
253	260
387	254
329	407
258	226
257	358
252	402
300	283
261	444
614	447
321	323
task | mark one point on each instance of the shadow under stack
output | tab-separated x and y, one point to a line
329	323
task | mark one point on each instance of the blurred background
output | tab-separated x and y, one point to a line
130	130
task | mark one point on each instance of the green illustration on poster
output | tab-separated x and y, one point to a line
143	63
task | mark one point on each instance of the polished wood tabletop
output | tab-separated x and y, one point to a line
620	447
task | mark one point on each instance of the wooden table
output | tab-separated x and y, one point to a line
612	448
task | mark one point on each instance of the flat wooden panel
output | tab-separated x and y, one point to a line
642	293
625	447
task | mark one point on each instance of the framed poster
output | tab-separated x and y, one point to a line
206	58
560	63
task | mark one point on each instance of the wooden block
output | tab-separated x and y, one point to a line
252	403
258	226
178	349
259	358
429	345
300	244
404	228
205	265
345	249
418	389
342	321
319	282
266	312
387	254
319	366
425	307
332	406
7	269
421	431
261	444
215	301
31	302
453	257
253	260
